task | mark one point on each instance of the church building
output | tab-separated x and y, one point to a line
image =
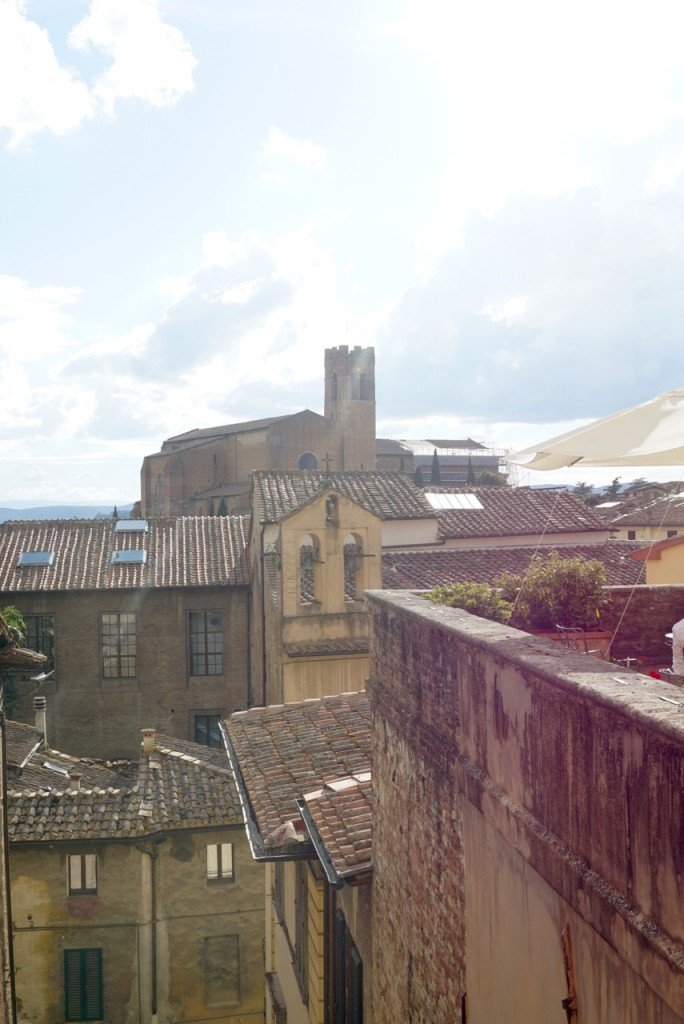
207	471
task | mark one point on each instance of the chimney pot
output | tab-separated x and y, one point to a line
147	745
39	706
75	780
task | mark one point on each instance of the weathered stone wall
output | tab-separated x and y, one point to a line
649	613
88	715
522	794
188	908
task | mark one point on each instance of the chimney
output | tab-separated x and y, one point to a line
75	780
39	706
147	745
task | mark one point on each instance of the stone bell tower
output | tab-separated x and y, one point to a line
350	404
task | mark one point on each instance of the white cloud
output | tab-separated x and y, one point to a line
35	92
309	155
34	323
151	60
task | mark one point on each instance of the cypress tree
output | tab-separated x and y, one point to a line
418	477
435	476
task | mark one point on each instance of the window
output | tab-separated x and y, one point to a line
278	889
302	928
672	533
118	645
347	986
220	863
221	970
353	553
207	731
36	558
308	559
40	636
83	998
206	644
131	526
308	461
128	556
631	535
82	872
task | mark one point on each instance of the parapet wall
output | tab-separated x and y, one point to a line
643	616
528	828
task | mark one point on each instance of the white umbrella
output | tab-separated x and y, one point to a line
650	434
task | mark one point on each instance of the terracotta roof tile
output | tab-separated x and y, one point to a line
181	785
341	815
667	511
386	495
516	511
422	570
287	750
315	648
184	552
20	742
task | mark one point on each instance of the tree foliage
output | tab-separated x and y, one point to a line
477	598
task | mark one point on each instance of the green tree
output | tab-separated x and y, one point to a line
471	479
613	492
115	514
418	477
435	475
223	508
584	492
488	478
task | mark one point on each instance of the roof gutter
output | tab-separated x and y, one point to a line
334	878
254	837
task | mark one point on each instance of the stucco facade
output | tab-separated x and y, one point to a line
309	621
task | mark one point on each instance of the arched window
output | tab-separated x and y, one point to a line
308	461
308	558
353	555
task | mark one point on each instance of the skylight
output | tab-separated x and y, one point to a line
460	501
131	526
36	558
128	557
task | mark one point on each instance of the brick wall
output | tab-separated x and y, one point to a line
525	802
91	716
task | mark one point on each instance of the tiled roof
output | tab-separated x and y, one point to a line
20	742
517	511
49	769
386	495
422	570
172	789
359	645
460	443
386	446
340	817
288	750
189	551
224	430
668	511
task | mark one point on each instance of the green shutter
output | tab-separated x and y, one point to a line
355	1014
83	984
340	967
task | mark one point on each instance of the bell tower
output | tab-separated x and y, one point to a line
350	404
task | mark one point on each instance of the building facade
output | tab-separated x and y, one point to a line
143	623
135	898
207	471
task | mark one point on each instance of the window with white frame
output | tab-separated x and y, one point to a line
220	862
82	874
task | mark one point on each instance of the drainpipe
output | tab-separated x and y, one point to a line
153	854
8	981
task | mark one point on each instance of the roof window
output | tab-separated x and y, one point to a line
131	526
460	501
128	557
36	558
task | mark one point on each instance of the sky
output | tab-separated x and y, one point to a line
197	197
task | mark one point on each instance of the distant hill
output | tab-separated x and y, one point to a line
65	512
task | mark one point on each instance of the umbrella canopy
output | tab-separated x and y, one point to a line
650	434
